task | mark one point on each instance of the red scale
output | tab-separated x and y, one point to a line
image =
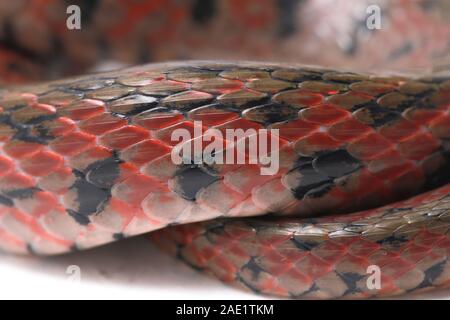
415	253
441	127
299	97
330	251
397	267
399	131
42	163
418	146
363	248
31	223
102	123
61	126
221	190
324	114
271	263
72	143
89	156
295	129
158	120
144	152
210	116
39	204
126	136
313	267
135	188
389	164
63	180
369	146
316	142
6	164
423	116
348	130
16	180
21	149
227	269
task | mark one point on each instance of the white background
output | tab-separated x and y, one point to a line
129	269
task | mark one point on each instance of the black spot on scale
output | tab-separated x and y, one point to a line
248	285
190	181
17	107
81	219
22	131
311	289
24	135
180	256
203	11
43	132
118	236
302	161
22	193
31	251
336	164
254	268
319	191
351	280
271	113
393	240
304	245
40	119
378	115
104	173
4	119
6	201
90	198
352	46
216	228
213	231
442	176
428	5
431	274
287	17
309	179
8	41
74	248
399	52
78	174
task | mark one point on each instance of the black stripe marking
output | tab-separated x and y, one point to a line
104	173
90	198
6	201
310	179
336	164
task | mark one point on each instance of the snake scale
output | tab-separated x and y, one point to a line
85	161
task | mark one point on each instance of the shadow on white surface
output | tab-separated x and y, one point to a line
132	268
129	269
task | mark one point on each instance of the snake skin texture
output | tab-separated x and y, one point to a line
415	34
327	257
86	161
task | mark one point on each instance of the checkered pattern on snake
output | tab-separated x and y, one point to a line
86	161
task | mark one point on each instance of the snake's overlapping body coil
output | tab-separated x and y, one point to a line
86	161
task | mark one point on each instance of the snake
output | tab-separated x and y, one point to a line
88	160
358	204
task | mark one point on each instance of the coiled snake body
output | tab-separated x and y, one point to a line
86	161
